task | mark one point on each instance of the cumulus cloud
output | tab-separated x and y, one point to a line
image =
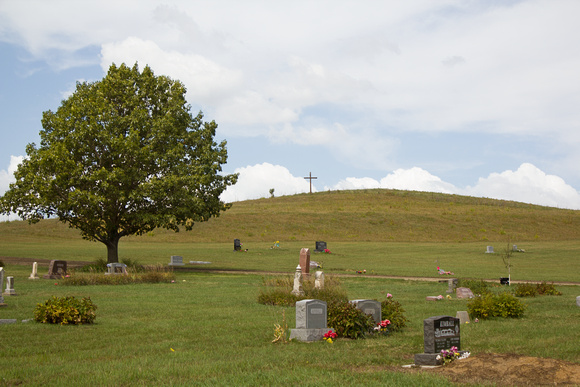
255	182
7	177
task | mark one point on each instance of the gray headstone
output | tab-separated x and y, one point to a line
578	300
8	321
489	250
1	284
464	293
176	260
452	283
311	314
441	332
463	316
10	287
371	307
116	268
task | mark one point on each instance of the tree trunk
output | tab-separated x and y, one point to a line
113	251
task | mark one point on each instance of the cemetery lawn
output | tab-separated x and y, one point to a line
208	329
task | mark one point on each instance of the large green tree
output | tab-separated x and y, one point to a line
122	156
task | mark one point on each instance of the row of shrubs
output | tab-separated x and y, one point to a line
343	316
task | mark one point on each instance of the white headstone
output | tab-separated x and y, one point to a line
297	290
578	300
34	274
489	250
463	316
319	280
176	260
10	287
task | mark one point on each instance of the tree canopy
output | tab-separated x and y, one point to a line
122	156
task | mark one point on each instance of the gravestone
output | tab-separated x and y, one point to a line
463	317
370	307
320	247
439	333
489	250
34	274
176	260
463	293
116	268
578	300
10	287
319	280
504	280
297	290
305	261
56	270
1	284
452	283
237	245
311	319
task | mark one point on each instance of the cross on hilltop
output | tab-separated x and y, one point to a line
310	177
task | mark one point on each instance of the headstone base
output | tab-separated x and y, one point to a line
428	359
9	292
308	335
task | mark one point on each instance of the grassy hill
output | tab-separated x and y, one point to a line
378	215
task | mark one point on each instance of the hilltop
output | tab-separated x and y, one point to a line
378	215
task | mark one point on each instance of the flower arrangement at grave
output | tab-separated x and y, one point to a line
382	328
449	355
328	336
439	297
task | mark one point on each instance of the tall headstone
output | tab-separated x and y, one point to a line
10	287
320	246
297	290
452	283
237	245
34	274
319	280
578	300
1	284
370	307
56	270
305	260
176	260
439	333
311	319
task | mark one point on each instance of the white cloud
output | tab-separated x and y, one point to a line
7	177
255	182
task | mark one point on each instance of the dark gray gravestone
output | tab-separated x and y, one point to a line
320	247
441	332
371	307
237	245
56	270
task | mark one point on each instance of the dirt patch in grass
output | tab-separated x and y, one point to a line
510	370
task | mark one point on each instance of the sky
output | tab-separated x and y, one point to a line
470	97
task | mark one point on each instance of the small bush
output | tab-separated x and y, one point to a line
492	305
348	321
393	311
281	297
66	310
525	290
547	289
476	286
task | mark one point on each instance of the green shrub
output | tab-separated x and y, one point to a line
476	286
278	291
348	321
525	290
495	305
150	274
66	310
393	311
547	289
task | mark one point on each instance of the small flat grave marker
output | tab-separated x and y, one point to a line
463	316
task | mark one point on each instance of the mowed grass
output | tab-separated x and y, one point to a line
208	329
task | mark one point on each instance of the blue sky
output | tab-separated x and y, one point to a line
469	97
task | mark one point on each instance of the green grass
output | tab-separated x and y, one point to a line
221	335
